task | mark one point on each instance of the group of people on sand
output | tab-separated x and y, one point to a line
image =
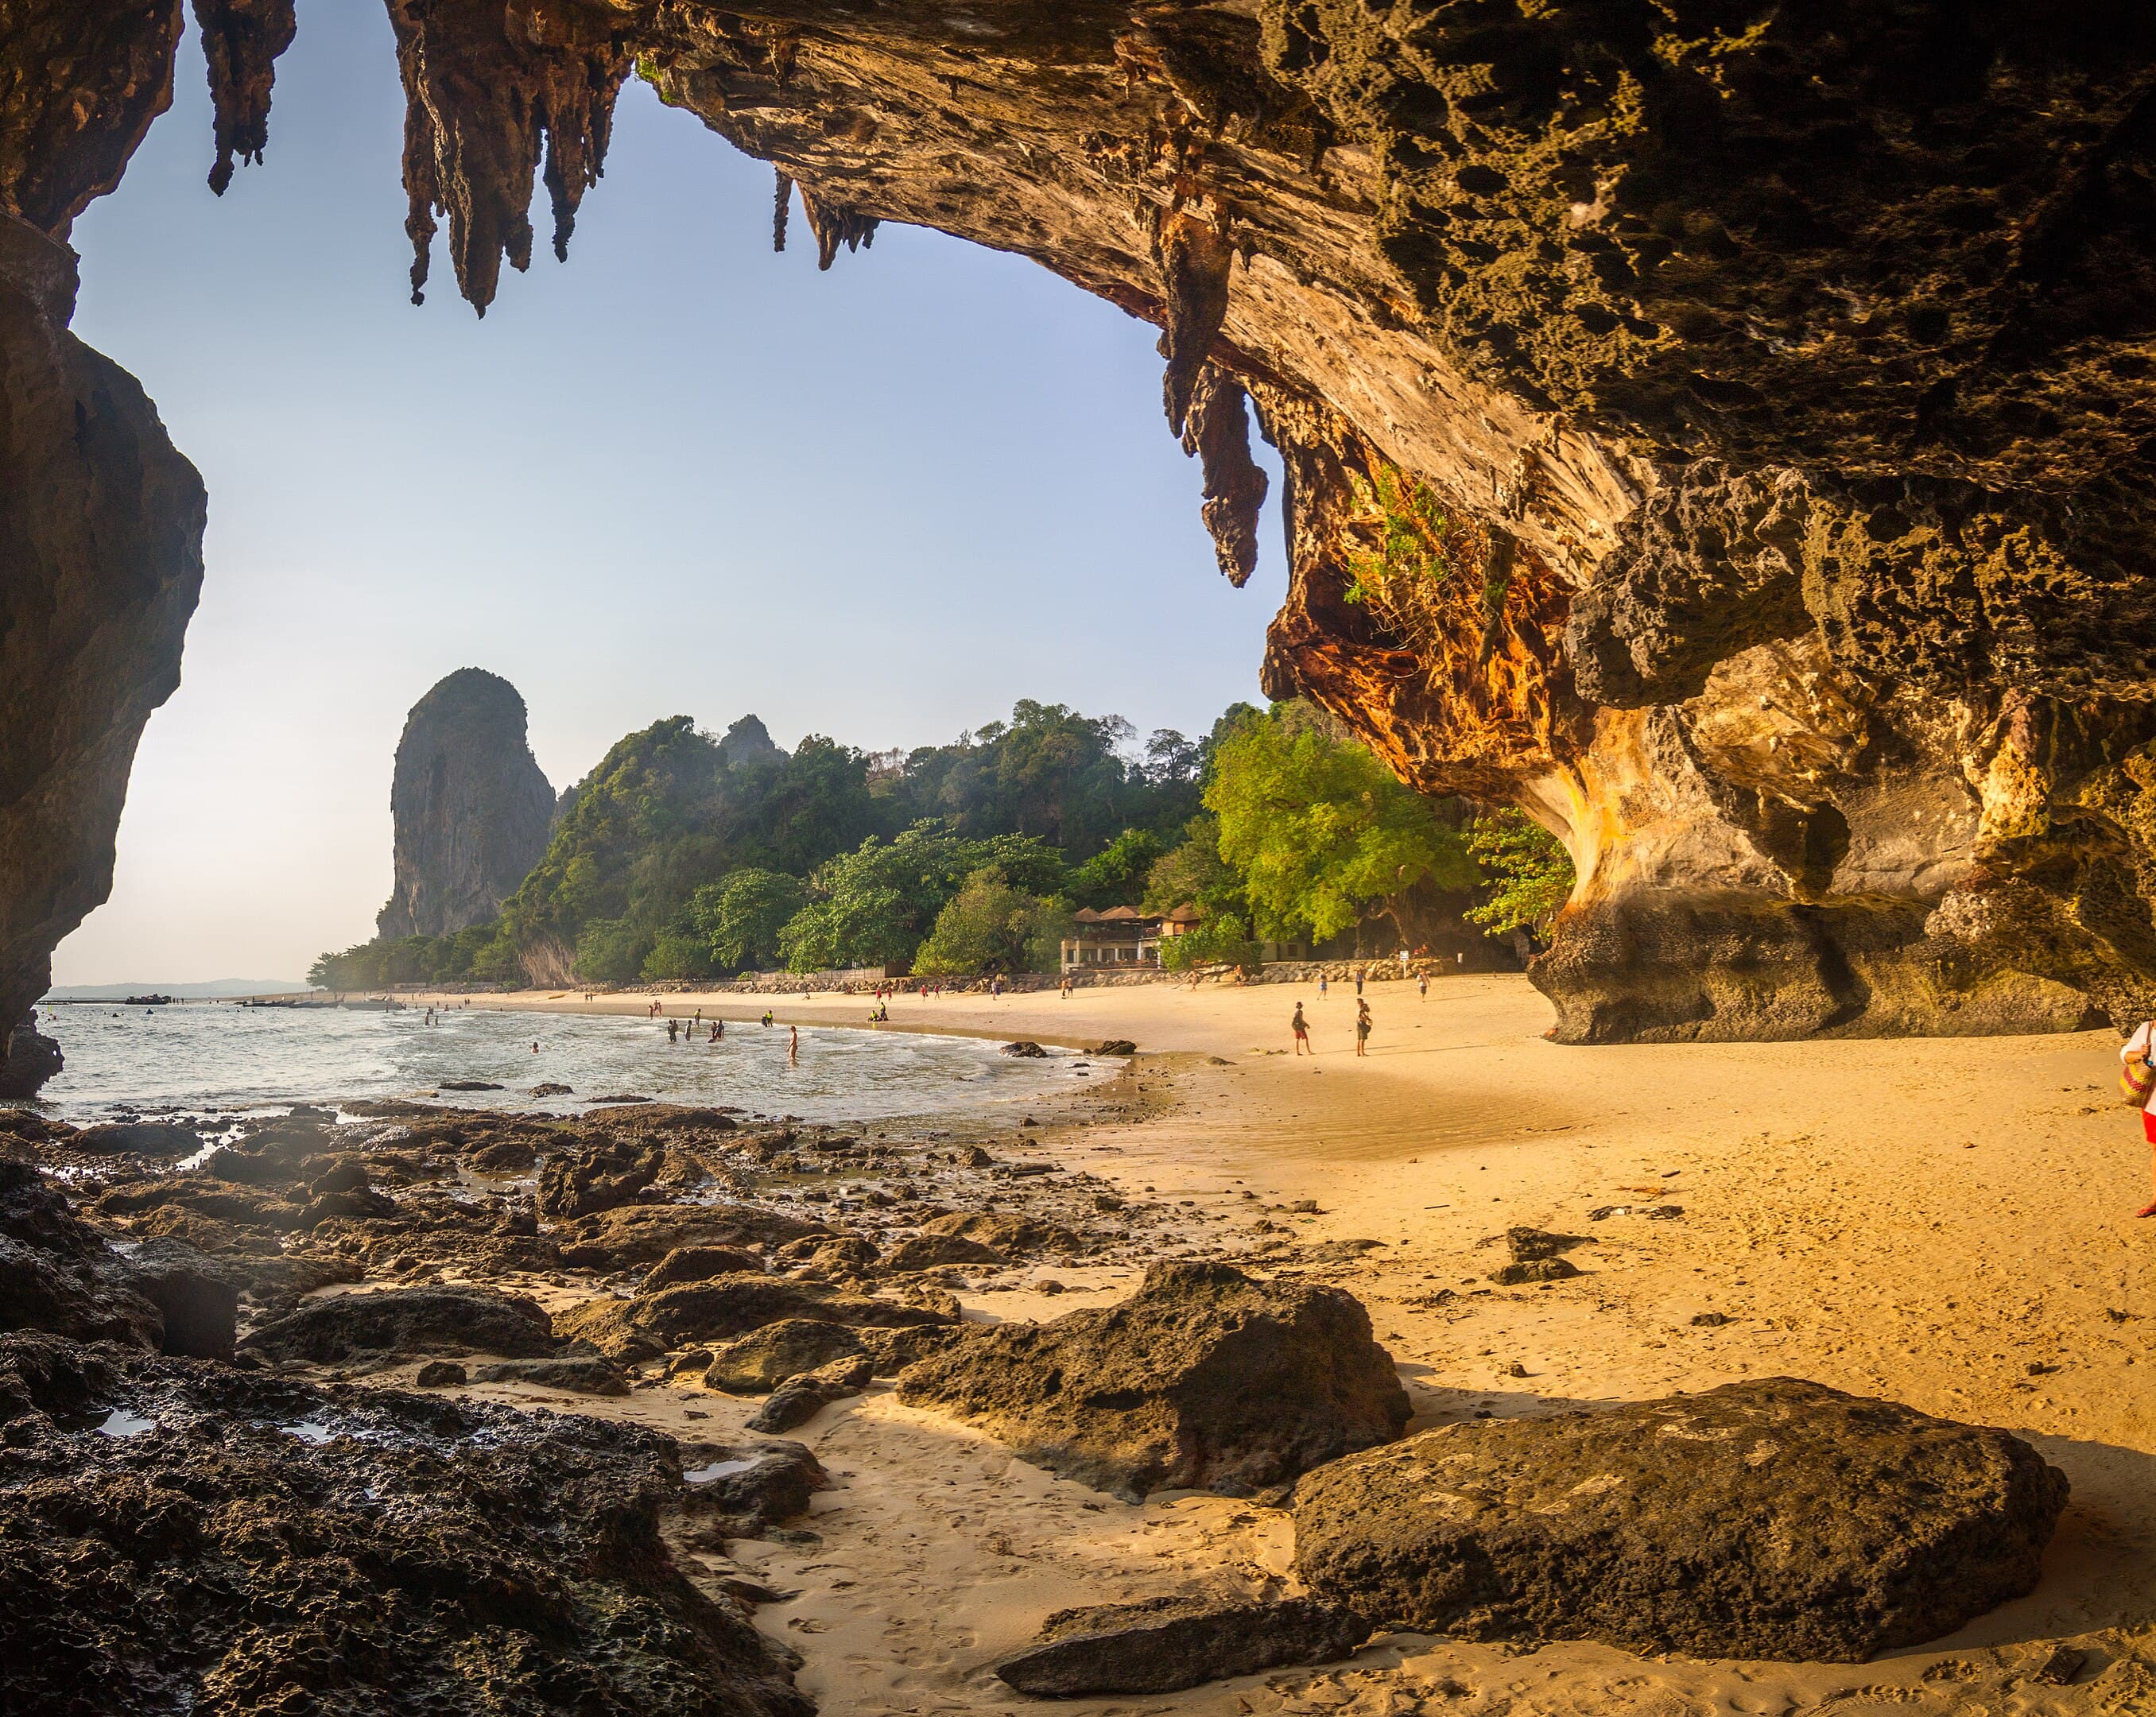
1364	1023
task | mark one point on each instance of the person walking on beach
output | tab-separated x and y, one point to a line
1422	983
1358	981
1301	1027
1362	1028
2137	1079
1321	986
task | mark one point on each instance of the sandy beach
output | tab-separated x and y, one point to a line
1946	1224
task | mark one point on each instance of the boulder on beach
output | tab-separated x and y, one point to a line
408	1321
206	1195
760	1360
139	1139
721	1310
1205	1379
1165	1644
1770	1519
798	1400
57	1275
579	1374
206	1539
640	1234
740	1490
604	1175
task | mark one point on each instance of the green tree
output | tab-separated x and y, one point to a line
739	918
1531	874
990	926
611	951
1324	835
875	904
1222	938
1116	875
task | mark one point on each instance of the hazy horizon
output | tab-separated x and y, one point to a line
679	474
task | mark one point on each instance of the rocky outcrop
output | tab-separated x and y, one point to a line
1205	1379
1719	437
29	1060
57	1275
185	1536
470	808
400	1321
101	562
1775	1519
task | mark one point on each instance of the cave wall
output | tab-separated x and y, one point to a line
1783	369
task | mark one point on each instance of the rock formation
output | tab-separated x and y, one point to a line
1203	1379
1724	434
471	808
1775	1519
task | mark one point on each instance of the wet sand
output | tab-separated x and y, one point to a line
1945	1223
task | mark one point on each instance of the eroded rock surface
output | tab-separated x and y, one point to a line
469	805
1776	1519
408	1321
178	1536
1205	1379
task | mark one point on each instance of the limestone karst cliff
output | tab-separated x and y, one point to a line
471	806
1722	429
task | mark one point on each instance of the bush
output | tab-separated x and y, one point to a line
1531	873
1217	941
610	950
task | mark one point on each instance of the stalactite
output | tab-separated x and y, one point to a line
1217	429
781	201
241	39
489	89
1194	256
834	225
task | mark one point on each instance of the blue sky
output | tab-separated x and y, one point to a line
677	474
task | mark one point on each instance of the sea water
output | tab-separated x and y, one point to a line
203	1056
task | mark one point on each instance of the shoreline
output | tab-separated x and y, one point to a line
1941	1224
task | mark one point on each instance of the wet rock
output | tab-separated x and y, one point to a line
440	1374
580	1376
642	1234
925	1251
1165	1644
1775	1519
139	1139
246	1545
597	1179
1116	1046
550	1087
1028	1050
699	1264
842	1259
1203	1379
504	1156
408	1321
719	1310
799	1399
763	1359
197	1297
468	1085
743	1490
57	1275
28	1059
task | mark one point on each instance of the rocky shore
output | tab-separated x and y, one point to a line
400	1407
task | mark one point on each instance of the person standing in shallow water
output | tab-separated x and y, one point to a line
1301	1027
673	1032
2136	1075
794	1046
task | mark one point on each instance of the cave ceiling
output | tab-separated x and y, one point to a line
1760	390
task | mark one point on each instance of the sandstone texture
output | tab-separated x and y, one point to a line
1205	1379
1776	1519
236	1543
408	1320
1163	1645
471	809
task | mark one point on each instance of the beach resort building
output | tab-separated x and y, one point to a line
1121	935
